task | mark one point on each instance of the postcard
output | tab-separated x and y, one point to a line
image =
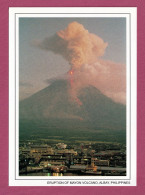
72	89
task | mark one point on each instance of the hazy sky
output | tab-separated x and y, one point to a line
36	65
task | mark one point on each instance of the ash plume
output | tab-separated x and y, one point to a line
83	51
82	46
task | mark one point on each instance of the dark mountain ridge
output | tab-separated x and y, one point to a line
54	104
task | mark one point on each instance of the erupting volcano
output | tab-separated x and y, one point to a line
84	51
88	97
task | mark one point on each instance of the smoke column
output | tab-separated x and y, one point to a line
83	47
83	51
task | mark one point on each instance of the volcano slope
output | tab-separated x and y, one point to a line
51	113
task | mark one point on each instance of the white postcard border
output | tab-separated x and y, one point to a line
131	34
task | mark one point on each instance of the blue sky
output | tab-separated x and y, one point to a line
36	65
